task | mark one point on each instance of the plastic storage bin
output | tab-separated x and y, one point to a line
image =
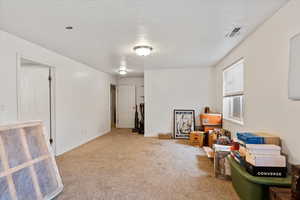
250	187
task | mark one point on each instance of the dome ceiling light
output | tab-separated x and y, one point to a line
122	70
143	50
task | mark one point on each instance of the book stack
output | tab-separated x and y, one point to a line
265	160
246	138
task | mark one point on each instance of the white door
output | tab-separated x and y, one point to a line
125	106
35	95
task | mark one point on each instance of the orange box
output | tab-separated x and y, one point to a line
210	119
211	127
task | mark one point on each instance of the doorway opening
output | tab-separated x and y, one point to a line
130	103
36	95
113	105
125	106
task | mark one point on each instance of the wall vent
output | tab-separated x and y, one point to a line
234	32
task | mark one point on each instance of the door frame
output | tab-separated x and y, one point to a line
117	92
19	57
115	102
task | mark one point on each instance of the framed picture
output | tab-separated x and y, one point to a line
184	123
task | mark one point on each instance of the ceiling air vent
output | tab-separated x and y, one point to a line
234	32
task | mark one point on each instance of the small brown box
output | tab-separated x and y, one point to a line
277	193
165	136
212	138
196	138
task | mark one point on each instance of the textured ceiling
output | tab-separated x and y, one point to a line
183	33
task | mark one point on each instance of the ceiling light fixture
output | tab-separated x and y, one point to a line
143	50
122	71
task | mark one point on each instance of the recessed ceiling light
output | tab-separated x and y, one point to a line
69	27
143	50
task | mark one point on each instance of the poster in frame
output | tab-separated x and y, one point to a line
184	123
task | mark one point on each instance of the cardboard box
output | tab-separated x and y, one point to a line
266	171
211	119
277	193
212	138
196	138
211	127
269	138
164	136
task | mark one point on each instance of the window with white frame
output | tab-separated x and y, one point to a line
233	92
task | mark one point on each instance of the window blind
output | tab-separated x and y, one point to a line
233	92
233	79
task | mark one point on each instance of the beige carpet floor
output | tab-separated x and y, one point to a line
126	166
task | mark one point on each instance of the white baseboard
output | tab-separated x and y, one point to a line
84	142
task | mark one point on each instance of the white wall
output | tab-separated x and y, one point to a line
266	54
166	90
130	81
82	93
